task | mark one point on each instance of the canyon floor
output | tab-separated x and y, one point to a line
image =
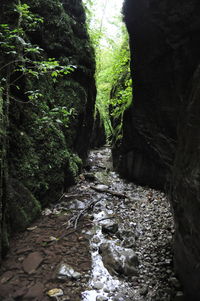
104	239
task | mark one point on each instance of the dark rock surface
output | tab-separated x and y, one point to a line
98	133
165	45
163	40
42	150
186	194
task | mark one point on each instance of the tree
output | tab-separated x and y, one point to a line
114	85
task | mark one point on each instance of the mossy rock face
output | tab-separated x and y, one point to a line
45	147
23	207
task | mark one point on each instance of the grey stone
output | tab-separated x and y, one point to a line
98	285
101	298
119	260
110	228
66	271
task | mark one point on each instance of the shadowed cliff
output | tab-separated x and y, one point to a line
163	125
44	138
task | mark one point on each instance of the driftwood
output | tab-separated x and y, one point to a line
115	193
69	196
73	222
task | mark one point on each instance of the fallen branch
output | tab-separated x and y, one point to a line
77	196
89	206
73	222
74	196
115	193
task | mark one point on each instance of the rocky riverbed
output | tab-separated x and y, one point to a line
105	239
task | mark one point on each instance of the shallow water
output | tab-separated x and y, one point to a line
143	217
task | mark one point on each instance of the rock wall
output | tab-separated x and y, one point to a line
48	137
163	41
161	142
186	194
98	138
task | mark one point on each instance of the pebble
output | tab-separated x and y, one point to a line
66	271
55	292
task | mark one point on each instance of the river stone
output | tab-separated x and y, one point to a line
101	187
98	285
32	262
66	271
119	260
101	298
110	228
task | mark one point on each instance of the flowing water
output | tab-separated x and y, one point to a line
131	241
128	230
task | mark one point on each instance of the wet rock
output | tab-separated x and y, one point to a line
120	297
101	298
119	260
66	271
76	204
32	262
110	228
98	285
101	187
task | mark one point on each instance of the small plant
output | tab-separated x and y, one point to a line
23	60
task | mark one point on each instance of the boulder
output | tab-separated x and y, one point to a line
118	260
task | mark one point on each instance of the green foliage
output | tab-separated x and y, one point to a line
47	93
20	52
42	93
114	84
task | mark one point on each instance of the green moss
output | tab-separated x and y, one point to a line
43	145
23	207
75	164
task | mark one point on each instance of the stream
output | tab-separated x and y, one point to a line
106	239
131	242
